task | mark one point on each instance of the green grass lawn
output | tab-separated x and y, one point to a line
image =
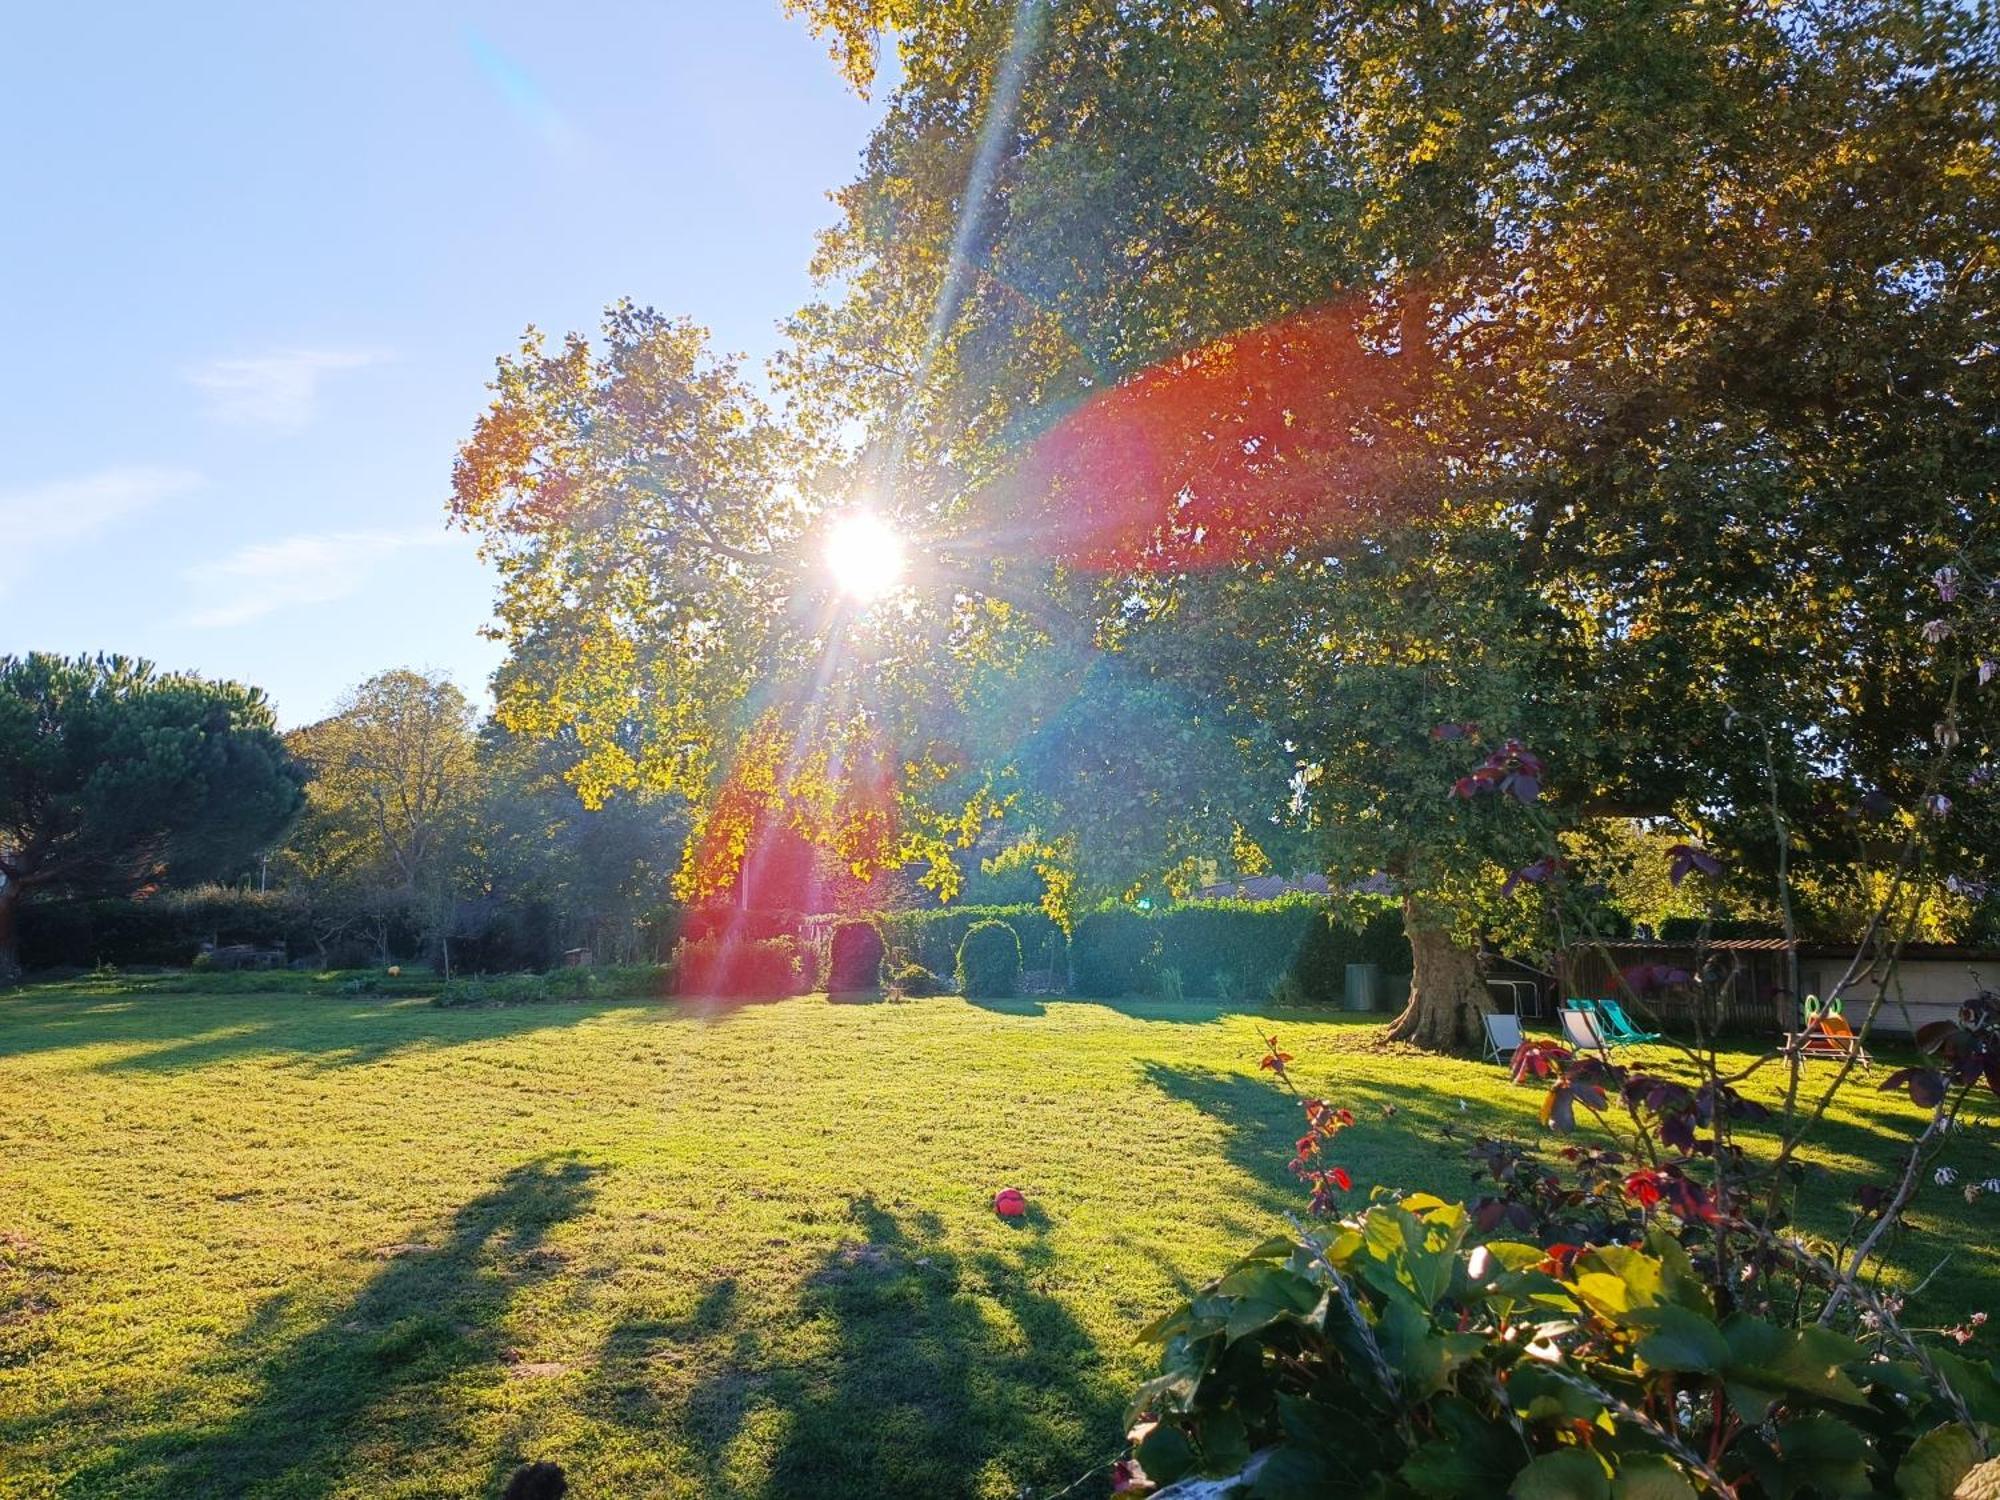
308	1245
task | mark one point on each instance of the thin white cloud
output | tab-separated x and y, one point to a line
316	568
279	389
45	518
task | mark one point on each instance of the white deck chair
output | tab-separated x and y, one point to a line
1503	1039
1580	1026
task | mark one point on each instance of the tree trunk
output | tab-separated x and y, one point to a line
10	930
1447	992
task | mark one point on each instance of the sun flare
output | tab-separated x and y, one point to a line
865	555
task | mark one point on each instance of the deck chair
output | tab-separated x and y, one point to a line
1503	1039
1581	1027
1828	1035
1618	1027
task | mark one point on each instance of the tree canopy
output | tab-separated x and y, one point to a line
115	776
1332	394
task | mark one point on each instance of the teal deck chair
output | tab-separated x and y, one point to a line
1620	1025
1612	1023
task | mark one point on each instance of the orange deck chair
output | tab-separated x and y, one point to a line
1827	1034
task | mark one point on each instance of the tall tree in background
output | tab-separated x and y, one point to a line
667	609
115	776
394	784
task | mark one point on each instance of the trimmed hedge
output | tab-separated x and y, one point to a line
916	982
931	936
166	929
561	986
1318	970
854	959
707	923
1114	951
1235	949
989	961
760	967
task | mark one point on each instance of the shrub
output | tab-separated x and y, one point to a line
989	960
560	986
1114	951
1628	1322
854	958
756	967
710	923
1247	941
917	982
931	936
1392	1351
167	928
1317	974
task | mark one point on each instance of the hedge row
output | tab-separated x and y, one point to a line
1233	949
167	929
1230	949
932	936
761	968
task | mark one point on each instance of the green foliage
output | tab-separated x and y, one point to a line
118	776
989	961
916	981
1332	940
165	928
1114	951
931	935
854	958
1544	279
562	986
1391	1356
1247	940
754	924
745	967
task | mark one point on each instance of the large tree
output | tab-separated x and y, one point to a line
395	784
1615	376
1331	377
115	777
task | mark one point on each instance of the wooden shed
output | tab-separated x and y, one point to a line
1746	982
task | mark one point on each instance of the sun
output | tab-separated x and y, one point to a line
864	555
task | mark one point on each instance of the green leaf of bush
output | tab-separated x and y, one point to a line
1680	1340
1936	1462
1571	1474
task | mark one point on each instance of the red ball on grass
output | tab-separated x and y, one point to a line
1009	1204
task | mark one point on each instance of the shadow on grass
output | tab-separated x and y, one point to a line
183	1032
430	1317
905	1368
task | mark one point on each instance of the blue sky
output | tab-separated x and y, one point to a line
257	260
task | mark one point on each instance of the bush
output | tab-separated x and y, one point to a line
931	936
1317	974
989	960
712	923
167	928
1232	945
854	959
560	986
1115	951
1428	1392
917	982
1585	1330
1234	950
757	967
